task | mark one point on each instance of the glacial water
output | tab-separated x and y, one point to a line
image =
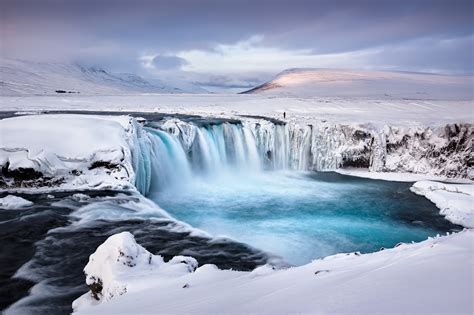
303	216
234	181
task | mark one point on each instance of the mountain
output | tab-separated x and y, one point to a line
351	83
19	77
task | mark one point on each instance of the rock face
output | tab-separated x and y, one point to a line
442	151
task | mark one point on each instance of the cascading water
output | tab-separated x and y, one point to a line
166	159
245	180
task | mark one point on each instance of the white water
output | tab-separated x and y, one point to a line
165	160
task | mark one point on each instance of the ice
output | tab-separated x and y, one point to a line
14	202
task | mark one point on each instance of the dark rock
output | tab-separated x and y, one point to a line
20	174
320	271
96	288
104	164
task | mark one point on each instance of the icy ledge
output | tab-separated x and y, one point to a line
433	276
455	201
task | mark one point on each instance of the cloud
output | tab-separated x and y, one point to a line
241	39
161	62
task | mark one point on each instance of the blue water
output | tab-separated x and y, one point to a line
301	216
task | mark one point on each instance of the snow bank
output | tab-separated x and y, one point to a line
399	176
381	282
119	265
67	151
14	202
456	201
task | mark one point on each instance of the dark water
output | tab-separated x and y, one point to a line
55	259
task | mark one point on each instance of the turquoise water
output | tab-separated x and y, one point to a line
301	216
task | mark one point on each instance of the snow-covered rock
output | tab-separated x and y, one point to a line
380	283
14	202
67	151
455	201
119	262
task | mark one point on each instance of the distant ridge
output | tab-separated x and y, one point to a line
310	82
18	77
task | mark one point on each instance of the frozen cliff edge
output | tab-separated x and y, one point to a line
67	152
441	151
133	280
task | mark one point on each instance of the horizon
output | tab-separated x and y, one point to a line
240	44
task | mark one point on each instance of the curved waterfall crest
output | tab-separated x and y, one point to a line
170	152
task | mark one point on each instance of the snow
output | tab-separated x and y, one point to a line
20	77
379	84
376	111
399	176
65	148
381	282
111	264
11	202
456	201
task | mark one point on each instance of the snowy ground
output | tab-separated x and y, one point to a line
434	276
379	112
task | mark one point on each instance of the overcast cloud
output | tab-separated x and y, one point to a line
234	43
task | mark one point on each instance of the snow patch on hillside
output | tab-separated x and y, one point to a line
381	84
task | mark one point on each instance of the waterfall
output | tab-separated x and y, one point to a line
170	153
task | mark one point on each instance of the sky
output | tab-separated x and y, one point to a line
237	44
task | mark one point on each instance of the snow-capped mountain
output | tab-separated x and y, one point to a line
379	84
19	77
